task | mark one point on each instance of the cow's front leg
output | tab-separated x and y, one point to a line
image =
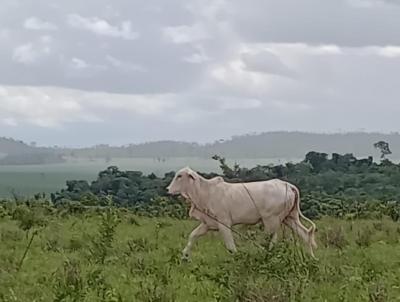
274	240
201	230
228	237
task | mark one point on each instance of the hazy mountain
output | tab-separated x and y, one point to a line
265	145
9	145
14	152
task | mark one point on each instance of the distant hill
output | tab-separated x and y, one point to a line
296	144
282	145
14	152
9	145
265	145
152	149
37	158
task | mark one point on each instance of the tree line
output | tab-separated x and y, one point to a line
335	185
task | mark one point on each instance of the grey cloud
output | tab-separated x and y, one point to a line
265	61
92	38
316	22
185	33
102	27
211	68
30	53
34	23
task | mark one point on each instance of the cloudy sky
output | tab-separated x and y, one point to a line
116	71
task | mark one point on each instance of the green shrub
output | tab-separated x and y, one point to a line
334	237
364	237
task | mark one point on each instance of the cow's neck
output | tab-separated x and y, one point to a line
199	193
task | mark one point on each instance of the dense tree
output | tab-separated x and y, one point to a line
316	160
383	147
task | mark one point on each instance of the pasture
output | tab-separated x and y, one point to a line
31	179
113	255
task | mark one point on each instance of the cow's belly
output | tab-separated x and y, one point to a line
244	215
245	211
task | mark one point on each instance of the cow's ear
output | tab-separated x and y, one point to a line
192	175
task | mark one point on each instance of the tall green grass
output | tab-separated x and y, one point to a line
113	255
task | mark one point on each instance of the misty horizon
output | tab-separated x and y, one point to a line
34	143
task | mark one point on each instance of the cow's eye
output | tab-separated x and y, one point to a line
179	176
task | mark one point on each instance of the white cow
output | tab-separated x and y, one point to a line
219	205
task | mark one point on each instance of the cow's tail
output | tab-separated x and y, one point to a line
311	231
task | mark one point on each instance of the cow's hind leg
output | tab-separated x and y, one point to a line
272	226
296	225
227	237
201	230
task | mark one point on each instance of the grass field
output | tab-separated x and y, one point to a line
121	257
28	180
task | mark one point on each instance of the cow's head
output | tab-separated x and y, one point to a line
182	182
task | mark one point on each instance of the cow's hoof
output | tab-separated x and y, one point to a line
185	258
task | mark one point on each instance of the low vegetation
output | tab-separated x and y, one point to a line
111	254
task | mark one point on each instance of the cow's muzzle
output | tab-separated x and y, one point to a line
172	192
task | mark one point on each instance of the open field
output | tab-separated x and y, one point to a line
28	180
121	257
